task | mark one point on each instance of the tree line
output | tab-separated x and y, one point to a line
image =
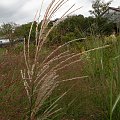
75	26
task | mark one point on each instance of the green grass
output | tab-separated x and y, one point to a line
104	73
2	50
91	98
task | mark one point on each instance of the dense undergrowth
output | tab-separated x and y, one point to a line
92	98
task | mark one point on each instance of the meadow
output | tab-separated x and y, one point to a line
76	77
95	97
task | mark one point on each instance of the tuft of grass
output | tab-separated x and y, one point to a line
40	77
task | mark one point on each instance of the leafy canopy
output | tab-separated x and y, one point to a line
99	6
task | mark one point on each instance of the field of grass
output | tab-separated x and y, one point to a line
79	80
95	97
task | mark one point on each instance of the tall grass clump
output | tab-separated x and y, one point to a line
40	76
60	83
104	73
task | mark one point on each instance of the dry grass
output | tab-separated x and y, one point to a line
40	77
12	93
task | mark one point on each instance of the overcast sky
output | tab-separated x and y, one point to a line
23	11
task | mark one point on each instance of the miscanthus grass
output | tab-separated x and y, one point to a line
40	78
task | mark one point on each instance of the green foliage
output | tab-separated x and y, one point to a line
79	26
72	27
2	50
104	70
99	6
7	30
23	31
18	49
101	25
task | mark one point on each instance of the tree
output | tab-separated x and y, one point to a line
0	31
72	27
99	6
100	23
23	31
7	29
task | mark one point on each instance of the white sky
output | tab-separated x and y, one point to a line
23	11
